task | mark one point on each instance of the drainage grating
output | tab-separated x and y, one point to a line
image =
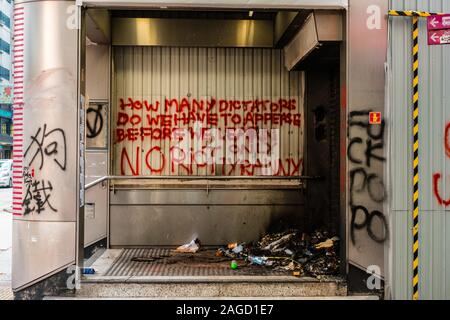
163	262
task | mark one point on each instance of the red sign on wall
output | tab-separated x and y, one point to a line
438	29
438	22
375	118
437	37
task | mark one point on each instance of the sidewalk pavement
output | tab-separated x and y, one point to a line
5	275
5	253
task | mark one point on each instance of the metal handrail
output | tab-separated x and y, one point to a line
217	177
95	182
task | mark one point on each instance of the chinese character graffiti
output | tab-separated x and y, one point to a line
37	194
48	144
44	144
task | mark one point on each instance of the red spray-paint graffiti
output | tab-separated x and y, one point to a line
437	176
147	135
287	167
442	202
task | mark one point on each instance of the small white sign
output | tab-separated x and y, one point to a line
89	211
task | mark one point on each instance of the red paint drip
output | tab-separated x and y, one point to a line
442	202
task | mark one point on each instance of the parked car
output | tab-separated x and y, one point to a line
6	173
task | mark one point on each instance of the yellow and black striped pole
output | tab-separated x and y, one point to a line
412	13
415	69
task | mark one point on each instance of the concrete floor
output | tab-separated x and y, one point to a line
358	298
101	285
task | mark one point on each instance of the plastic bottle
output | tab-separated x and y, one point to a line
88	271
260	261
238	249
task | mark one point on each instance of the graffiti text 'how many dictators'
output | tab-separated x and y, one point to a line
438	29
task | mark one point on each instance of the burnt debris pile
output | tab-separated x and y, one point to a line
315	254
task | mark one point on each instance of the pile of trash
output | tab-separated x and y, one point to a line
315	255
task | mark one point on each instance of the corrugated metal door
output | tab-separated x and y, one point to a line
157	90
434	153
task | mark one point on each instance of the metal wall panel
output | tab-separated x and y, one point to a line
171	217
95	223
434	119
40	248
192	32
150	76
211	224
97	141
252	4
366	143
269	197
46	193
95	218
97	72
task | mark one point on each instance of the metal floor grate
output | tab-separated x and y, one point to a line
6	293
183	265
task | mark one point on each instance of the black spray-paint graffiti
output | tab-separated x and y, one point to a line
366	143
37	194
95	128
44	144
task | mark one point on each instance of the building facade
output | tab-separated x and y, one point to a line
103	65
